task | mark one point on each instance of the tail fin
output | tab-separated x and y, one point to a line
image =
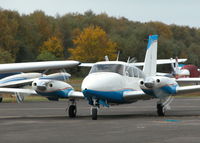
150	65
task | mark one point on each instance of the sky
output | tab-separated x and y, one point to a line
179	12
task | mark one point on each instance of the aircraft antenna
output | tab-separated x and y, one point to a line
118	56
106	58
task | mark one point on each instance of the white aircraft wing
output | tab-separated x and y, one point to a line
18	83
163	74
188	89
188	80
135	95
33	66
161	61
76	95
86	64
17	90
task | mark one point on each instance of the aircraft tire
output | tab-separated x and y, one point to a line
72	111
160	110
94	113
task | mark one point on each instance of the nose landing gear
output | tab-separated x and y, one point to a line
163	105
72	110
94	109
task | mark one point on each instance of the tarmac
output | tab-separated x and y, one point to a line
40	122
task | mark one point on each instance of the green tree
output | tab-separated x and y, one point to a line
5	57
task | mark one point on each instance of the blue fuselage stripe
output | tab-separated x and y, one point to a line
109	96
58	93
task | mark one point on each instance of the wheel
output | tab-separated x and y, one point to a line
1	99
160	110
72	111
94	113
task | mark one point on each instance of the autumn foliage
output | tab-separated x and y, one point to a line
92	45
54	48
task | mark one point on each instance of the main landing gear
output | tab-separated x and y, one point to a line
163	105
94	110
72	109
1	99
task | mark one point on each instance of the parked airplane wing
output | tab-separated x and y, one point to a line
76	95
17	90
18	83
161	61
86	64
188	89
33	66
188	80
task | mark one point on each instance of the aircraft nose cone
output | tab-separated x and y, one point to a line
41	88
102	82
149	83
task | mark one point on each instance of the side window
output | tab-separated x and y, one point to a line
136	72
141	75
129	71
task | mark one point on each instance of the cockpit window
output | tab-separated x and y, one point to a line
134	72
116	68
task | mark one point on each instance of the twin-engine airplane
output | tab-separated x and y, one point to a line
114	82
185	71
11	75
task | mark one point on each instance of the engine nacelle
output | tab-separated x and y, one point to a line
18	80
62	76
158	86
52	88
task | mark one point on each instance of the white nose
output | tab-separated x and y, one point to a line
149	82
40	85
102	82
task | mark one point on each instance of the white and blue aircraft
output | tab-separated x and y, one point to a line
11	75
114	82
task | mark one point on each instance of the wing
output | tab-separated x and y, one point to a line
136	95
188	80
86	64
33	66
18	83
164	74
17	90
188	89
162	61
76	95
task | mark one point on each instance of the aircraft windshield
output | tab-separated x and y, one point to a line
116	68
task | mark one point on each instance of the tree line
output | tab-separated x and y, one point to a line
37	37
